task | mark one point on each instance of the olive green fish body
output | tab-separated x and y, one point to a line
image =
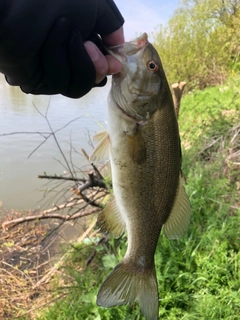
145	156
146	192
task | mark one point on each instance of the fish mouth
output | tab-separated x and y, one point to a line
118	52
124	51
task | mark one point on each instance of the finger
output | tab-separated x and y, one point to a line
99	60
114	65
82	69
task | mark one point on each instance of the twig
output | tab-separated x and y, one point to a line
17	269
92	182
85	154
24	132
60	178
12	276
58	145
40	306
97	171
55	268
104	239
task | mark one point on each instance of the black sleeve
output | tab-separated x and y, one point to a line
41	43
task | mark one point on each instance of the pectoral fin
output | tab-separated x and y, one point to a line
101	152
179	218
100	136
110	220
137	147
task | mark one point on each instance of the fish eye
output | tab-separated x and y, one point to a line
152	66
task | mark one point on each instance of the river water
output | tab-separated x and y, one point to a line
20	113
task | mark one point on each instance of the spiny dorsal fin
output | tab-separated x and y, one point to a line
110	220
101	152
179	218
125	284
137	147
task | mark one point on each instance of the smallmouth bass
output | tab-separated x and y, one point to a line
145	155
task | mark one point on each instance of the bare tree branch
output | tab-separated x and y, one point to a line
24	132
60	178
41	216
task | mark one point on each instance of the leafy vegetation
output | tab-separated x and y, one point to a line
198	275
200	44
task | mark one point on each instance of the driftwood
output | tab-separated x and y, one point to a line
177	89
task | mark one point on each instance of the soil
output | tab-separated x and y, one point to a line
28	254
24	259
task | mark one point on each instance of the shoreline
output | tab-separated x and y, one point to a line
22	263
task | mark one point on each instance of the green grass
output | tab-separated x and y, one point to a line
198	275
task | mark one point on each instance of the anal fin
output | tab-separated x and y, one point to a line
110	220
179	218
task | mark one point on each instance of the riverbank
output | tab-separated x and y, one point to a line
198	275
32	253
23	262
33	243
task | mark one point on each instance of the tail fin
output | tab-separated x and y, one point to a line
126	284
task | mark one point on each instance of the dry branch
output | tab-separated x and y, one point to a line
63	206
60	178
91	182
103	239
41	216
177	89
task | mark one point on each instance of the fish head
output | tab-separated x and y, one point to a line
136	87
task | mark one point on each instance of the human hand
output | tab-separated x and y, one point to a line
45	46
105	64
